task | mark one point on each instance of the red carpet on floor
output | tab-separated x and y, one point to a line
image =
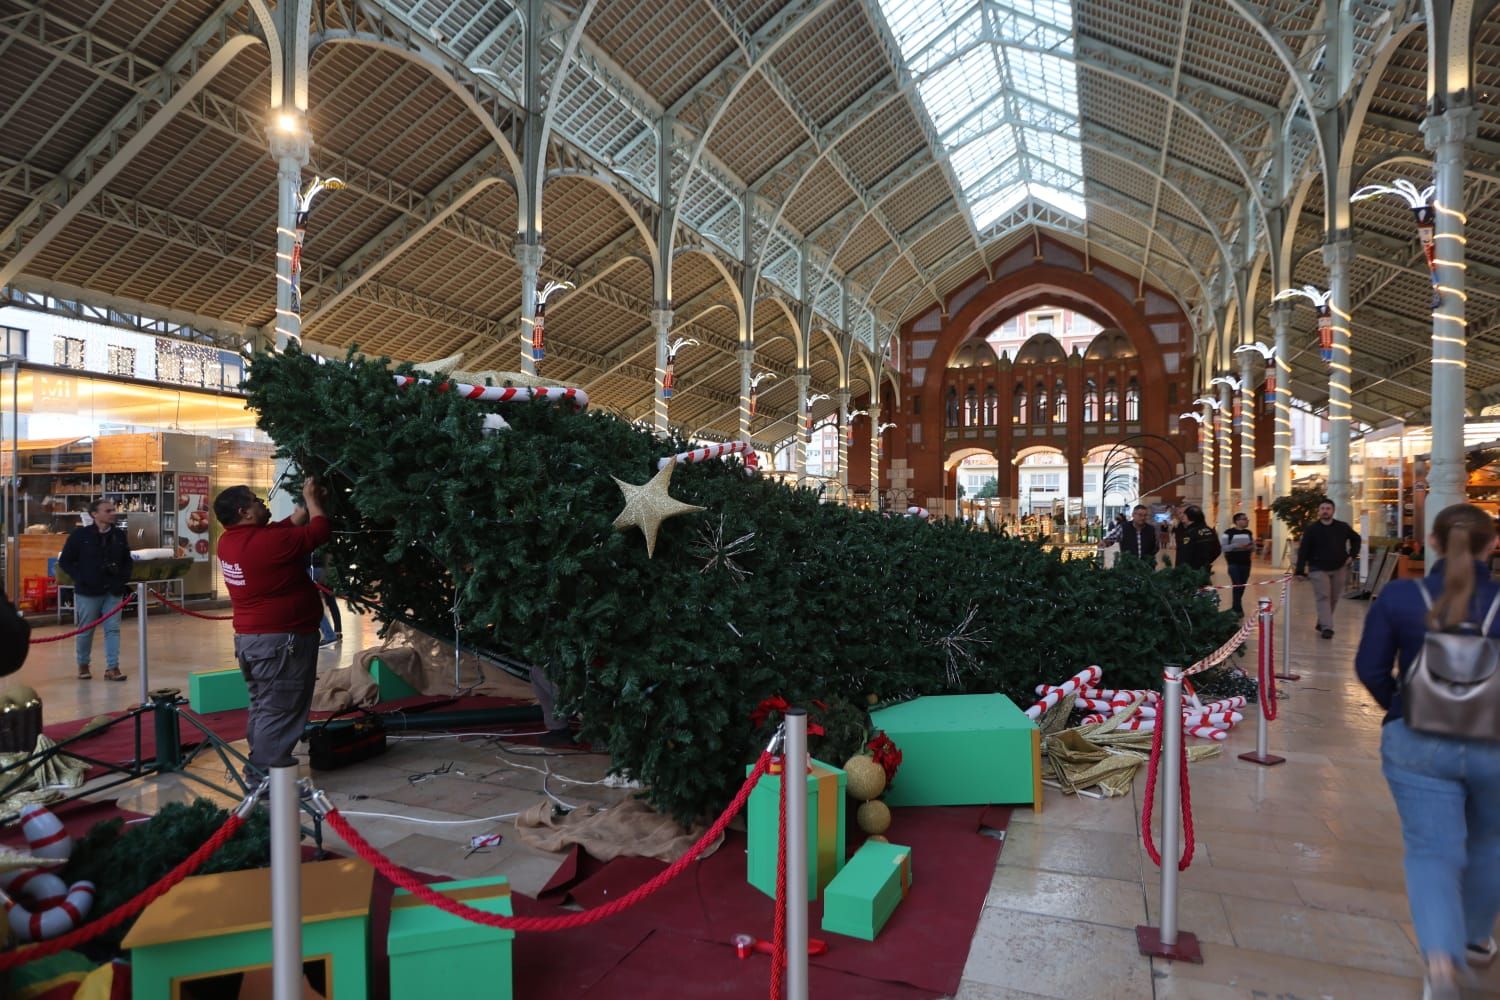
117	743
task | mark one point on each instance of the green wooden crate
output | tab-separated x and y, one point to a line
865	894
429	946
390	682
217	690
826	793
959	750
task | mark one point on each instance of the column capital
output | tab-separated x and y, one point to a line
661	319
292	142
803	379
841	396
1457	124
1281	314
529	255
746	355
1338	250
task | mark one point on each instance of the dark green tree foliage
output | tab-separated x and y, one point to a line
123	861
511	534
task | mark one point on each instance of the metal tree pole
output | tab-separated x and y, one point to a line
794	776
286	882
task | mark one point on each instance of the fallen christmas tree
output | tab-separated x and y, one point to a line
766	592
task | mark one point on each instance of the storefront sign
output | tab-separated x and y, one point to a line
193	518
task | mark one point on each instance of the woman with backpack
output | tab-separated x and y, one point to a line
1439	745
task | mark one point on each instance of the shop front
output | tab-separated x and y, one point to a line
159	452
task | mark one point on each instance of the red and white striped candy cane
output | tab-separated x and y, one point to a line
1093	720
500	393
1113	694
1084	677
1213	718
714	451
1223	704
1207	733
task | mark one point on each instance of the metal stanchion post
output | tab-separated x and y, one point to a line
140	646
1166	941
286	883
1286	635
794	774
1266	676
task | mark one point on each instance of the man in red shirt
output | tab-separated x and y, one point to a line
276	613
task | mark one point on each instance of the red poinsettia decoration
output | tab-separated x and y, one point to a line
779	705
885	753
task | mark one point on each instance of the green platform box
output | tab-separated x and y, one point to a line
390	683
826	788
974	749
864	895
431	949
217	690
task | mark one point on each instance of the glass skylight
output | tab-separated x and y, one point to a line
997	79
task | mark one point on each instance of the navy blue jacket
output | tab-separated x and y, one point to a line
1397	625
98	561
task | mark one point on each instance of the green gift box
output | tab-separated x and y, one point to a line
217	690
826	786
867	891
429	946
957	750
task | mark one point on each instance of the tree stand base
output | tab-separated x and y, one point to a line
1268	760
1287	677
1148	940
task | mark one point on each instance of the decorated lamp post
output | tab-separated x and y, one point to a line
538	324
1268	397
804	432
1209	421
755	381
304	208
1424	214
1229	403
669	377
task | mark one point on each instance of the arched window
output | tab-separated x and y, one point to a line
1060	403
1041	413
951	410
1111	402
1090	401
1020	405
1133	401
991	406
971	408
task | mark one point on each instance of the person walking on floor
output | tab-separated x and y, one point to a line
1197	544
1327	549
1239	546
1138	536
1446	788
97	557
276	613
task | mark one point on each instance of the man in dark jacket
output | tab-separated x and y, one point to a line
1198	544
97	557
1239	547
1328	548
1138	536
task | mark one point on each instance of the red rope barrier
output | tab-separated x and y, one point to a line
1188	841
93	624
116	917
192	614
778	934
1248	583
422	891
1265	670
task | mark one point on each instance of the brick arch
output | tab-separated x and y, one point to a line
1039	285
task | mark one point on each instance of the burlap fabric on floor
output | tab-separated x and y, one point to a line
628	829
425	663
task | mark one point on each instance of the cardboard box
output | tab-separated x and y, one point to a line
217	690
432	949
960	750
826	787
867	891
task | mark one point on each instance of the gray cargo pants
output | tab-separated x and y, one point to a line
279	669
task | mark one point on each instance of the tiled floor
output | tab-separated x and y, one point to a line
1296	890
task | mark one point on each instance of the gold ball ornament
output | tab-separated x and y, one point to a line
879	838
872	698
866	779
874	817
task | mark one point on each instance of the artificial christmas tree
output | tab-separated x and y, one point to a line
510	539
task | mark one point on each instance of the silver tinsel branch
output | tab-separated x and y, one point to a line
716	553
960	645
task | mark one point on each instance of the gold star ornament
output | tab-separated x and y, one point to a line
648	505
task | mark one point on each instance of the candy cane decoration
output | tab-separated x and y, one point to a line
755	388
1424	214
1084	678
539	325
44	833
500	394
669	377
745	448
56	907
920	513
304	207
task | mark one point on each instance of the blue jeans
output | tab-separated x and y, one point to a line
1448	794
1239	575
90	608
